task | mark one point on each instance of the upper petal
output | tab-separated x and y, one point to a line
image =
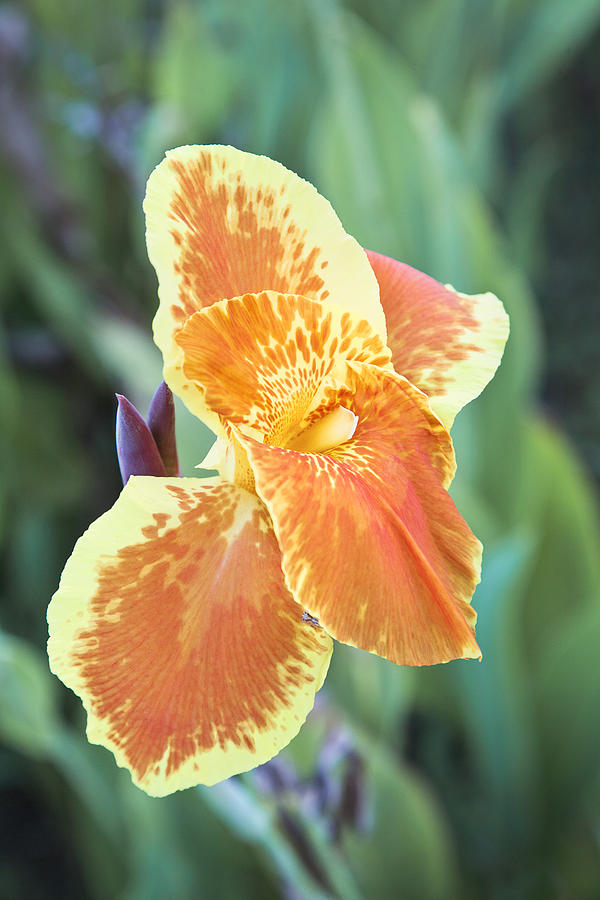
448	344
371	542
260	360
222	223
174	625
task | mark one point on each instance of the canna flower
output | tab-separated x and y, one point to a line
195	618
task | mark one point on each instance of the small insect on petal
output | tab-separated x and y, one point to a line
161	421
136	448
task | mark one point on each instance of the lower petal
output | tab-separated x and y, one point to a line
378	551
173	623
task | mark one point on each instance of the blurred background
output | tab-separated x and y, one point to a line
460	136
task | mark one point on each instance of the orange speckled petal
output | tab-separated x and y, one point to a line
259	360
173	623
380	553
448	344
222	223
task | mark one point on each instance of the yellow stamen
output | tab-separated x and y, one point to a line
334	429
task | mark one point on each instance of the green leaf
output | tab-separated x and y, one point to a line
407	851
128	354
546	36
60	300
568	694
91	773
192	82
487	707
494	694
560	503
357	140
28	706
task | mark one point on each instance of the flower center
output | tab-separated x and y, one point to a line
334	429
231	459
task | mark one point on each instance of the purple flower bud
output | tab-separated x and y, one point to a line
161	420
136	448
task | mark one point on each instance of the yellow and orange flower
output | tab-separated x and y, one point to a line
195	618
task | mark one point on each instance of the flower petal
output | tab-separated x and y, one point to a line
380	553
260	359
222	223
448	344
174	625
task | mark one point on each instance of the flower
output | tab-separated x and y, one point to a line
195	618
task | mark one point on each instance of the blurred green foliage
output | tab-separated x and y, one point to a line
455	135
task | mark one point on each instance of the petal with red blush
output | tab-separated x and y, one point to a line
379	553
448	344
173	623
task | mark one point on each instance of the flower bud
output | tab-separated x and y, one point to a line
136	448
161	421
